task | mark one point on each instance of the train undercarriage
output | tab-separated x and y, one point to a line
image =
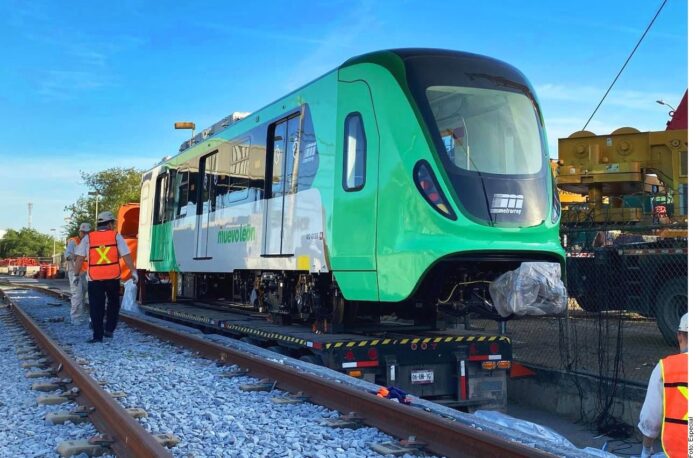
453	289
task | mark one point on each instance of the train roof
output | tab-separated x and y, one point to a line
385	58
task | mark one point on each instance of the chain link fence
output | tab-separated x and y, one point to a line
627	288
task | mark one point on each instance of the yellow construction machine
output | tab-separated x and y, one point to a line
627	176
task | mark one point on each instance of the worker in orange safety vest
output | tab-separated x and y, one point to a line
666	406
102	249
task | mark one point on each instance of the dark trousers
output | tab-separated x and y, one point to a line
100	292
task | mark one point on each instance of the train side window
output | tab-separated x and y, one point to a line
170	209
354	153
208	167
160	199
192	191
232	185
292	150
279	141
309	156
182	188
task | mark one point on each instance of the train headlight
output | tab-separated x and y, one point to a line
556	208
430	189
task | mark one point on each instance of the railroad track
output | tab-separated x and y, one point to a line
126	437
434	433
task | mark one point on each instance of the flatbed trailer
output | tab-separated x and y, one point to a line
461	368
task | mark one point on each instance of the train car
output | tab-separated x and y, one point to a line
399	184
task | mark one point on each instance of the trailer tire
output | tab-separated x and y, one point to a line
670	304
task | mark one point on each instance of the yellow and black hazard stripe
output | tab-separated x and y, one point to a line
415	340
331	345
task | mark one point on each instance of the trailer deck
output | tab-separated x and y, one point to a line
463	368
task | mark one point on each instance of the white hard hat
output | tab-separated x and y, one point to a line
85	227
105	217
684	323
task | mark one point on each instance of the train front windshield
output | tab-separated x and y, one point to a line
488	133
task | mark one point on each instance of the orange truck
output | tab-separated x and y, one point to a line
127	225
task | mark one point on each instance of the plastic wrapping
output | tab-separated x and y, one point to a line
128	302
542	434
534	288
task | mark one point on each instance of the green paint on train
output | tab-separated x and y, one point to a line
421	169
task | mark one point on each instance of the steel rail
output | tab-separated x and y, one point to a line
442	436
130	438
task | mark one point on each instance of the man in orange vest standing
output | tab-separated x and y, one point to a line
666	406
102	249
78	289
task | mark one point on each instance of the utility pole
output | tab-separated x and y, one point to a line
30	205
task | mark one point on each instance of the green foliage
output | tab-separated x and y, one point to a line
116	186
26	242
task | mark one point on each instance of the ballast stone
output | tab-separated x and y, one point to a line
167	440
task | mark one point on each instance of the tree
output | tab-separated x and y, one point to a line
116	186
26	242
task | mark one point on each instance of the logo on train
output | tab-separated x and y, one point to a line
509	204
238	234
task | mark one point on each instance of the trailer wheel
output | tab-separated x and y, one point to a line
670	304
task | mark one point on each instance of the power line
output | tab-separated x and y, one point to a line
625	63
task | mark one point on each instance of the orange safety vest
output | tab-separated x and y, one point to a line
675	398
103	256
76	239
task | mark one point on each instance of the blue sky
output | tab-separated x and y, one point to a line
86	86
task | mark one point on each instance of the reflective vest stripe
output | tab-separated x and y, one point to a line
675	404
103	256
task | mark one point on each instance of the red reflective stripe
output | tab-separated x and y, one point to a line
479	358
368	364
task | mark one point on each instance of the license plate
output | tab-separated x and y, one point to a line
422	376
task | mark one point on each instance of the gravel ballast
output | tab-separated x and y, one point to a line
186	395
23	430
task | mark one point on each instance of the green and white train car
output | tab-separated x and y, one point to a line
401	182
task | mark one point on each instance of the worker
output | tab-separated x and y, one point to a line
79	289
666	406
102	249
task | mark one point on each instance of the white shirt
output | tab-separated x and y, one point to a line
70	249
83	248
650	423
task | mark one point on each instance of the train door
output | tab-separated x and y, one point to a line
206	204
355	198
279	173
145	223
159	238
